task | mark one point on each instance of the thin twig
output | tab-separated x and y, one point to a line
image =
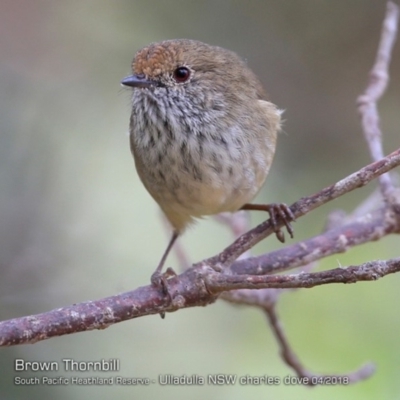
378	80
306	377
370	271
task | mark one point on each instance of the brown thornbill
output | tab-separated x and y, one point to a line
202	133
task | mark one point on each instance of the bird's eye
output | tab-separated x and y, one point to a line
181	74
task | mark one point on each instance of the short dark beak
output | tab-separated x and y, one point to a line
137	81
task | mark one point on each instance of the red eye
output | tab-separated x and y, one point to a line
182	74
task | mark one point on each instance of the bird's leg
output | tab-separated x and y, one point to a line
158	279
275	210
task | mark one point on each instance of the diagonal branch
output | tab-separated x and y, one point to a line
367	228
305	205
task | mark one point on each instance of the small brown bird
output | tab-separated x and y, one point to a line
202	133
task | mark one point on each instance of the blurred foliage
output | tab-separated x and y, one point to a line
76	223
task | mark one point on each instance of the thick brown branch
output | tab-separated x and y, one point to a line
189	291
192	288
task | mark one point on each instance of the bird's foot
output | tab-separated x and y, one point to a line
159	281
276	211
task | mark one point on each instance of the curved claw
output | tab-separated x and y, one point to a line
285	213
276	210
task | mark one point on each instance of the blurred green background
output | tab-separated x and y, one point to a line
77	224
